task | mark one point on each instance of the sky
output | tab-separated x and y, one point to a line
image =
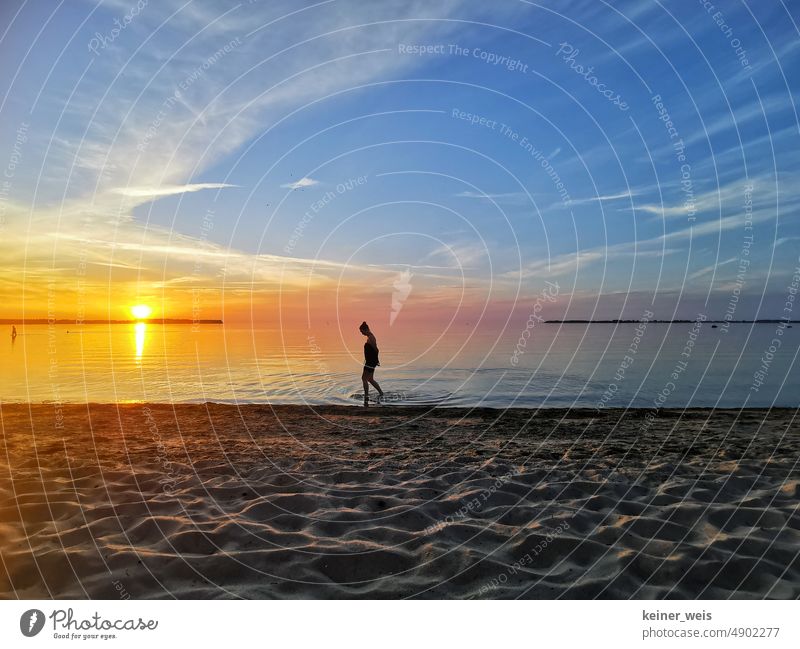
413	163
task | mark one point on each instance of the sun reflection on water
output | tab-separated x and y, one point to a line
140	328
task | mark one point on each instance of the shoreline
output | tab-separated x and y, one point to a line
260	501
393	409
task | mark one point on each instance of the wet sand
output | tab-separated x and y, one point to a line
215	501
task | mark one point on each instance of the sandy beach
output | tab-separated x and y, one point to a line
215	501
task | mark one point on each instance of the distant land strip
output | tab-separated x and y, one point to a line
762	321
35	321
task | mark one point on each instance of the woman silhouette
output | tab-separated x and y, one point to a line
370	362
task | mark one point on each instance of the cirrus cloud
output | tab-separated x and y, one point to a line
301	184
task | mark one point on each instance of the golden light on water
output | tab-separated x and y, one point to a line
141	311
139	330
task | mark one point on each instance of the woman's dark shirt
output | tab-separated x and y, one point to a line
370	355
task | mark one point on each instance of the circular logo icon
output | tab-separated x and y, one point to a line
31	622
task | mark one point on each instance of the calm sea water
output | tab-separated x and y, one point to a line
559	365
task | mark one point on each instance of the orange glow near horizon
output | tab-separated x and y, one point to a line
315	306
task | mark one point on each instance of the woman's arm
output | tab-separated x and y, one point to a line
371	340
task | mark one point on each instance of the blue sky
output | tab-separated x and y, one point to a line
300	98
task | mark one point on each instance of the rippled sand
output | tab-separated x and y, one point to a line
218	501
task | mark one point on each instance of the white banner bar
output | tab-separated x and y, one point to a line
401	624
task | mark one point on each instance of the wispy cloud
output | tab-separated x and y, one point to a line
554	153
499	197
568	264
724	198
167	190
602	198
712	267
301	184
458	255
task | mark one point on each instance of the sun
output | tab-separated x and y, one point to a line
141	311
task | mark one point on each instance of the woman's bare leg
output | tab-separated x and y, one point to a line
364	380
377	387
